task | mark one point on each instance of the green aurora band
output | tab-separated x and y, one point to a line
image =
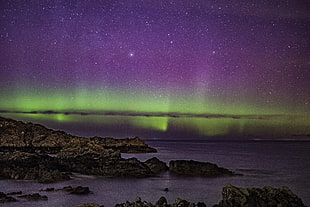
274	121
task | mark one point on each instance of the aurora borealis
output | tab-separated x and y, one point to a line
166	68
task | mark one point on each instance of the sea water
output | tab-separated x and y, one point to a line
262	163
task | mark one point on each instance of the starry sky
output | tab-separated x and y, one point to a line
165	68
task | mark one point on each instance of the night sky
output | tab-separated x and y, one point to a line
164	68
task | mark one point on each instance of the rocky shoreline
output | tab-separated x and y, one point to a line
232	196
33	152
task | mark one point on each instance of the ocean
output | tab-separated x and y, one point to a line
262	163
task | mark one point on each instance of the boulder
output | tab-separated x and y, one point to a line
195	168
162	202
259	197
156	165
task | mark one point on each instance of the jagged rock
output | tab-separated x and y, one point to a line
34	197
195	168
4	198
156	165
162	202
182	203
136	203
258	197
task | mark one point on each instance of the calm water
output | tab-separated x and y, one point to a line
262	163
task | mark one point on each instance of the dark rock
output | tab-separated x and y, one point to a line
258	197
34	197
30	166
162	202
15	193
156	165
48	189
195	168
79	190
181	203
4	198
201	204
136	203
166	189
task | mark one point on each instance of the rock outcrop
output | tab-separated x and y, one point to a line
79	190
30	166
259	197
33	152
156	165
195	168
37	138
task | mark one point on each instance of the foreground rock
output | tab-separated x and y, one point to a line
5	198
162	202
259	197
195	168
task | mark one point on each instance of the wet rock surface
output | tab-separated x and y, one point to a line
195	168
259	197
